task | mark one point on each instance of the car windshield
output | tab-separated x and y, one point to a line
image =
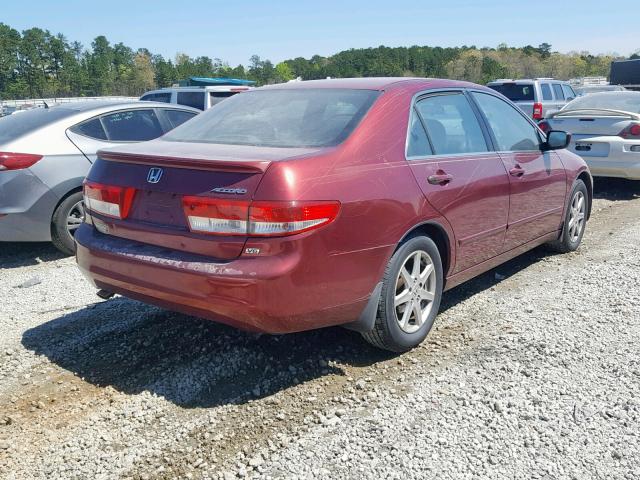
19	124
516	92
625	101
280	118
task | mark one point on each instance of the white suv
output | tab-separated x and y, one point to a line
201	97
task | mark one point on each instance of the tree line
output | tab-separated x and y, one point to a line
36	63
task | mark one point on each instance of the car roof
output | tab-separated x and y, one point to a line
368	83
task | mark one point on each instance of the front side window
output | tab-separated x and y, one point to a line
451	124
132	126
546	91
286	118
568	92
557	91
191	99
417	143
511	129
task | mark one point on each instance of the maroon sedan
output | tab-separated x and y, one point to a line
350	202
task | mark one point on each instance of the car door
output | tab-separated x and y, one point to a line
537	179
460	176
559	101
130	125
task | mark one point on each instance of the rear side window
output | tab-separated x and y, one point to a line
92	129
516	92
511	129
546	91
191	99
217	97
557	91
132	126
568	92
178	117
164	97
451	124
418	143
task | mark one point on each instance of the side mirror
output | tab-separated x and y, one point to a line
556	140
568	99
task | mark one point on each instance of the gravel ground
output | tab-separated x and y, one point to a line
532	371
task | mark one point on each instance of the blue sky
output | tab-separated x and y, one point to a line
277	30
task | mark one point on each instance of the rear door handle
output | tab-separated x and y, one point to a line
517	171
440	179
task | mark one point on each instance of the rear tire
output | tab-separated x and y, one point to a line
412	283
66	219
575	220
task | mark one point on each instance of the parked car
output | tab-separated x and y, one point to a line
200	93
335	202
589	89
45	154
537	97
605	132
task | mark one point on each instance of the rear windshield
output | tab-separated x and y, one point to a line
516	92
22	123
280	118
625	101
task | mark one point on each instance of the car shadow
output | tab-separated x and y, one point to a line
23	254
615	188
196	363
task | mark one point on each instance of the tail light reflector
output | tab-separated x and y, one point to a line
632	132
537	111
287	218
212	215
109	200
263	219
17	161
545	127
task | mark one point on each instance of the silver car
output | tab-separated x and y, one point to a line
537	97
45	154
605	132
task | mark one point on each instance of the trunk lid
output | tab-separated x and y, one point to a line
592	122
156	217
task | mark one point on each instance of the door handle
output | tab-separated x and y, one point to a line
440	179
516	171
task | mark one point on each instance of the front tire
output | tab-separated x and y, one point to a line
575	220
410	297
65	221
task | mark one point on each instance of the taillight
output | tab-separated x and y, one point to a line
631	132
211	215
260	219
17	161
537	111
109	200
544	126
287	218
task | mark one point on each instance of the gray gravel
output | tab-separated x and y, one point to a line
532	371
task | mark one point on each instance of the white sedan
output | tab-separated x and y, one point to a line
605	132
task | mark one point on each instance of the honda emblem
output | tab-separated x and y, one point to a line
154	175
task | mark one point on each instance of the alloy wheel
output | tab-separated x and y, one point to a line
75	217
415	291
577	214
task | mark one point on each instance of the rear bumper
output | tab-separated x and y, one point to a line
281	293
612	156
28	205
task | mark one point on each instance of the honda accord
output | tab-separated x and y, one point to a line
351	202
